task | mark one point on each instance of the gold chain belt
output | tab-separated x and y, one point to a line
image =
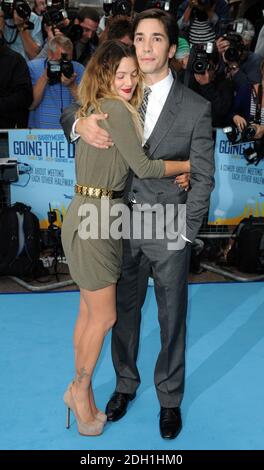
97	193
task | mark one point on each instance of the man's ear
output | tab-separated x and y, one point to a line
172	51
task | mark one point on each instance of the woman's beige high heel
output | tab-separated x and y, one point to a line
99	415
94	428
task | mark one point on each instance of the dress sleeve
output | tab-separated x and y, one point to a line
121	127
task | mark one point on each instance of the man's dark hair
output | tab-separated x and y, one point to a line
120	28
168	21
88	12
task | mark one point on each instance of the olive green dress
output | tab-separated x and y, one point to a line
95	262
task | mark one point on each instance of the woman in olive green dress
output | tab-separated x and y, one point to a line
111	84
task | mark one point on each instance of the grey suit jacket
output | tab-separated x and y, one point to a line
183	132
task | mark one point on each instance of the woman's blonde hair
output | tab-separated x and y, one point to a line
98	78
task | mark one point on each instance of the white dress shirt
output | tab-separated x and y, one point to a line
156	101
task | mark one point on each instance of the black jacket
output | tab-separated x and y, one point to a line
15	89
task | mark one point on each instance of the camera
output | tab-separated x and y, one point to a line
235	136
236	48
248	133
201	57
21	7
55	68
254	154
53	16
145	5
73	31
55	13
117	7
51	238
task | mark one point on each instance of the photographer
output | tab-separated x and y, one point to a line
21	28
83	48
55	84
115	9
241	64
212	84
55	23
248	107
200	18
120	29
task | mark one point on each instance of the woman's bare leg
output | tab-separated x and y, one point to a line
101	305
80	326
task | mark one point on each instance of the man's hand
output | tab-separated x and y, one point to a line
71	84
222	44
183	181
52	31
68	81
259	131
18	21
202	79
240	122
92	133
231	69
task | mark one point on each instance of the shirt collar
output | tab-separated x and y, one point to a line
163	86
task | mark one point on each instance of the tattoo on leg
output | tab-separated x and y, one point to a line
83	375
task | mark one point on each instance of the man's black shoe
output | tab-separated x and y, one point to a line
117	406
170	422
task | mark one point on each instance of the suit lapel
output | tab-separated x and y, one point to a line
166	118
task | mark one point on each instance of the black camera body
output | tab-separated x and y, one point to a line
201	57
117	7
236	48
55	68
248	133
73	31
21	7
235	136
53	17
255	154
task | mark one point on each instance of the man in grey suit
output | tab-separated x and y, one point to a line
177	127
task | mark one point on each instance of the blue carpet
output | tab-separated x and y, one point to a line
223	402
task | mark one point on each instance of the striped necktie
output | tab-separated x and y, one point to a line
143	107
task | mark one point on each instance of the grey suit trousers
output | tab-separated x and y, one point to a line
170	271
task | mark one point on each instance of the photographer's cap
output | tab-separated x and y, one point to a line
183	49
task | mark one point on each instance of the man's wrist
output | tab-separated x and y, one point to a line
21	28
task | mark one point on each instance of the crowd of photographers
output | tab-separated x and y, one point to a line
45	45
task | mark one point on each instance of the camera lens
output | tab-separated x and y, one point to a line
232	54
199	67
66	66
